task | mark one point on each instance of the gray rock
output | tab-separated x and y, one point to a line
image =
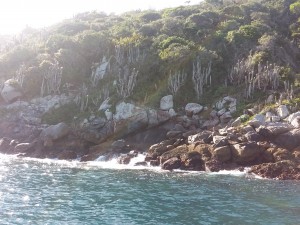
225	118
11	90
172	112
258	120
55	132
283	111
193	108
237	122
221	112
166	102
152	117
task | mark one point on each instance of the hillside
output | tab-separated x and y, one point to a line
244	48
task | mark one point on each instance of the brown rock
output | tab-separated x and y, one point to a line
67	155
192	161
222	154
245	152
171	164
176	152
282	170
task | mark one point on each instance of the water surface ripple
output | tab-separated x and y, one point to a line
46	192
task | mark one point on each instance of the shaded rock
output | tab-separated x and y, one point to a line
125	159
172	113
282	111
55	132
202	137
225	118
288	140
176	152
192	161
67	155
219	141
208	124
205	150
163	116
171	164
174	134
193	108
152	118
22	147
272	130
214	165
119	144
222	154
160	148
253	136
245	152
154	162
237	122
141	164
166	102
5	146
247	129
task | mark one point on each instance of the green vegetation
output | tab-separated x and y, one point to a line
144	47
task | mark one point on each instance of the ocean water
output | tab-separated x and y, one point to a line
58	192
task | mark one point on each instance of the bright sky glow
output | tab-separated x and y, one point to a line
17	14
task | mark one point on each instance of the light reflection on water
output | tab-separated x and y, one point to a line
61	192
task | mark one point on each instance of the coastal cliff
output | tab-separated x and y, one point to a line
202	87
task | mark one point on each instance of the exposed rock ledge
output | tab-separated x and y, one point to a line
173	141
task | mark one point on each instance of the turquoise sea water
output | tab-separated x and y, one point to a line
57	192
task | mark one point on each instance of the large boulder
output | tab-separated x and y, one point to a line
244	153
288	140
283	111
193	108
192	161
202	137
55	132
171	164
129	118
11	90
258	120
222	154
166	102
160	148
176	152
272	130
294	119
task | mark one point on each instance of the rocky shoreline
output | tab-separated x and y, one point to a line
269	143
